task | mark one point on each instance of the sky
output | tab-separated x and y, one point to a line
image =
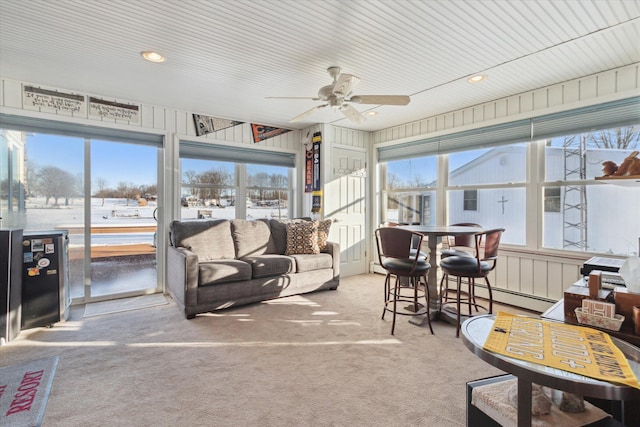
425	168
114	162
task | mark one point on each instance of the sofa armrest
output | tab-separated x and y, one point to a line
333	248
182	275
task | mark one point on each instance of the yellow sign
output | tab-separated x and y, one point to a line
576	349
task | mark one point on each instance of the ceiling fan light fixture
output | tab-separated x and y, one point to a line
152	56
477	78
338	97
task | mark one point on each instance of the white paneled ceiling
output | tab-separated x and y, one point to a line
225	57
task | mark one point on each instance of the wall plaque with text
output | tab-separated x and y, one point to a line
53	101
100	108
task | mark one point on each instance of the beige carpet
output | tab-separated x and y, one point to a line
123	304
321	359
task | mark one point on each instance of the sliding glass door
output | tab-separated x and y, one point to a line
103	193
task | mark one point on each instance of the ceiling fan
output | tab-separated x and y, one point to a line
339	96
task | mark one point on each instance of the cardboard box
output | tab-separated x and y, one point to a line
625	301
573	297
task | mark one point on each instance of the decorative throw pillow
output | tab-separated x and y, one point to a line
279	233
323	234
302	238
540	402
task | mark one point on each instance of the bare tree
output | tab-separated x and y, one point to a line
214	177
101	185
418	181
393	181
148	191
127	190
191	177
53	182
622	138
260	179
32	178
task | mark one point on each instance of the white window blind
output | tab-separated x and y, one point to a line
609	115
28	124
199	150
621	113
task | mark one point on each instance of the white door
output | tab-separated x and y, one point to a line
345	194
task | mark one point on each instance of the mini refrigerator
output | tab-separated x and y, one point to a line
45	278
10	284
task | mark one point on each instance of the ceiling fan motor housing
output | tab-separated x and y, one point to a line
326	92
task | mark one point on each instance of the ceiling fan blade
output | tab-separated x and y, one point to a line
306	113
381	99
352	114
345	84
292	97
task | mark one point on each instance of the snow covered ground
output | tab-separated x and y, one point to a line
121	274
118	213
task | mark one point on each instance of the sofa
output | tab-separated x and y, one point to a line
217	264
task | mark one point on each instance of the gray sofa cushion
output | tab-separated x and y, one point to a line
270	265
252	238
210	240
232	270
312	262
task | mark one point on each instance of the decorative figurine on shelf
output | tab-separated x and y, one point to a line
630	166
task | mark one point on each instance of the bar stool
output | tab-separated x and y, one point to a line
394	255
473	268
462	245
415	243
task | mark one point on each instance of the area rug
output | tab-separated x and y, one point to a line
124	304
24	390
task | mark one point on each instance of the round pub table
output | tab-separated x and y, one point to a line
474	334
435	233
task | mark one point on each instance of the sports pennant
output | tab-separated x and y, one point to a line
208	124
262	132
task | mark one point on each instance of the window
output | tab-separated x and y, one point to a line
208	189
552	199
490	189
408	188
268	191
227	190
497	165
591	216
470	200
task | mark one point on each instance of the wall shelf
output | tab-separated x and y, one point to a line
626	181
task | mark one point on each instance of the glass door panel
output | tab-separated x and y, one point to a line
123	217
42	189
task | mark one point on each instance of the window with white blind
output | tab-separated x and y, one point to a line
520	175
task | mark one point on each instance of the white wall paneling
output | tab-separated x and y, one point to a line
535	276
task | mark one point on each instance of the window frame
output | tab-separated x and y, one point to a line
240	186
470	197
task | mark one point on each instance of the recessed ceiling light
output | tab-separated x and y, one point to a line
371	113
476	79
152	56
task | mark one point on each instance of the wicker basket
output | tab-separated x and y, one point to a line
612	324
